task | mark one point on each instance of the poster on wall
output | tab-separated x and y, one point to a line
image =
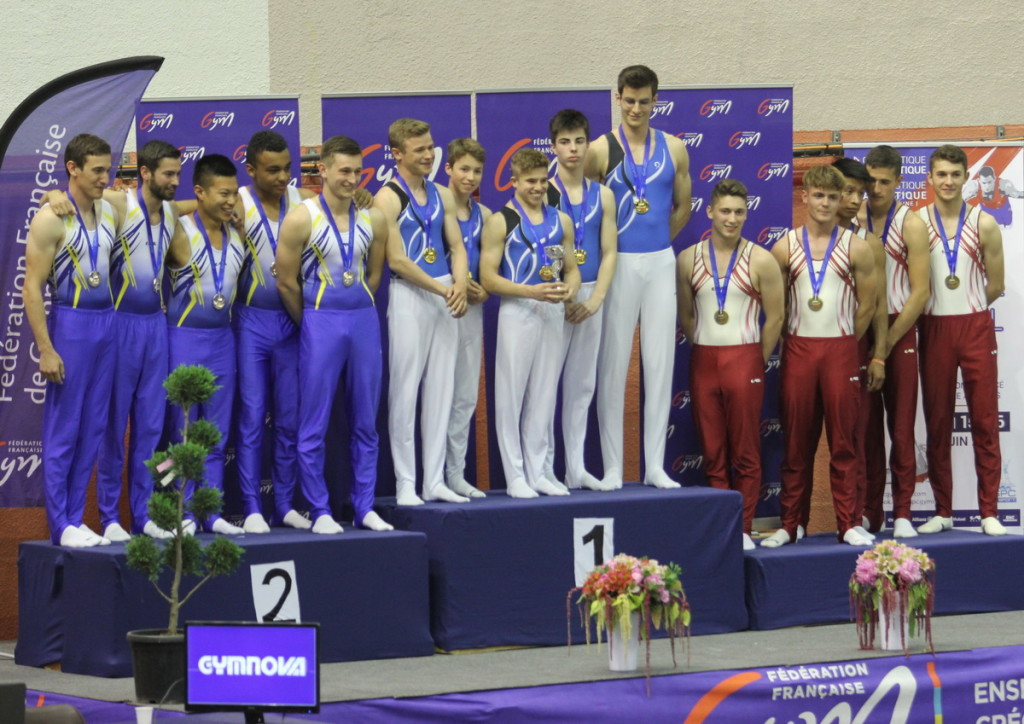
201	126
996	183
744	134
366	118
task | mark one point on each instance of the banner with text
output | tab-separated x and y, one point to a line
100	100
744	134
996	182
200	126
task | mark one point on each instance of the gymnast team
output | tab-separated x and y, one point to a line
272	288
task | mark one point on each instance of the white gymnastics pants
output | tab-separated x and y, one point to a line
467	386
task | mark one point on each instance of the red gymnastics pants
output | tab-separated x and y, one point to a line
967	341
820	381
727	388
898	406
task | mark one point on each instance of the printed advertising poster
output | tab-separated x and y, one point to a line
995	181
199	126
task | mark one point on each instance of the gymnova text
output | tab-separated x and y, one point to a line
253	665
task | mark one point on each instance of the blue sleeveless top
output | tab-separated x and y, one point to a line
640	233
520	261
590	244
414	236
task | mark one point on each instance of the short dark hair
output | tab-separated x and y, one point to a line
987	171
638	76
885	157
82	146
852	168
154	152
339	144
948	152
264	141
209	167
460	147
728	187
568	119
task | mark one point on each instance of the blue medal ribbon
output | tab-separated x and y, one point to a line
889	216
529	228
639	173
424	213
347	250
93	242
817	279
951	254
217	271
722	287
156	250
265	222
578	212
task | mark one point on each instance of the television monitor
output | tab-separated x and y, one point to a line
252	667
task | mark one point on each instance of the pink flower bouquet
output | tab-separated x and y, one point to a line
898	580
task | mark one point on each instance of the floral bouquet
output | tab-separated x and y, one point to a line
897	580
626	584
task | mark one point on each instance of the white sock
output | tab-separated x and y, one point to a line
115	533
224	528
94	538
154	531
992	526
776	539
443	494
903	528
295	519
660	479
546	487
748	543
612	479
73	537
254	523
326	525
863	533
405	494
855	539
585	480
372	521
519	489
462	487
800	532
936	524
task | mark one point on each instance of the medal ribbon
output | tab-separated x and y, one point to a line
424	213
347	250
156	250
579	220
265	222
889	216
722	287
466	227
639	173
817	279
951	254
217	273
529	228
93	242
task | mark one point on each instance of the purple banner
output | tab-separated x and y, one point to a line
745	134
366	119
982	686
100	100
198	126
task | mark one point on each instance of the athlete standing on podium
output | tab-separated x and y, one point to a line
649	173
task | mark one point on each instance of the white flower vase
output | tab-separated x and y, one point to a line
893	629
622	652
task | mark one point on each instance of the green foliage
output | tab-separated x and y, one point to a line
145	555
163	508
222	556
205	434
189	460
205	502
189	385
191	556
158	459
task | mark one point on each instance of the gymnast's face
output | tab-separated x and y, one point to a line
340	174
271	172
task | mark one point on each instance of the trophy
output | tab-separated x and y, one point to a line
555	253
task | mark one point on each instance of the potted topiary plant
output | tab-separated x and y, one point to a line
158	659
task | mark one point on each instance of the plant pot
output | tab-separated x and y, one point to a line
622	651
158	663
892	627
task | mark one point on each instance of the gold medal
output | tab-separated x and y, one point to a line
952	281
581	256
815	304
348	278
219	301
721	316
429	255
546	273
641	206
94	279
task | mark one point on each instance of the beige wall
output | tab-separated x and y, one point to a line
854	65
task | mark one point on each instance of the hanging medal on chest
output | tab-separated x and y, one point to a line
271	233
424	215
722	285
217	269
346	246
92	242
818	278
951	253
637	173
578	213
538	234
